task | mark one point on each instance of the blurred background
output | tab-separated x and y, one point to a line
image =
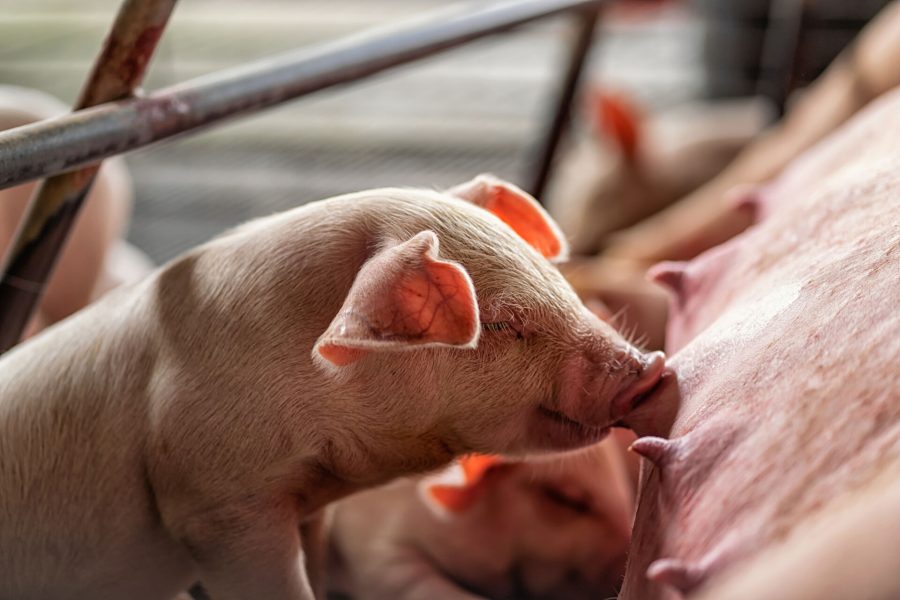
433	123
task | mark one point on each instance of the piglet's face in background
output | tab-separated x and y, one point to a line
460	307
552	528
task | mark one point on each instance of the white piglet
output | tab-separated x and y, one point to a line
182	428
553	527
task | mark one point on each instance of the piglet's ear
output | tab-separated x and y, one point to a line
403	298
518	210
617	119
458	487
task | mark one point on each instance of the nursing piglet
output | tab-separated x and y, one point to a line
485	527
183	428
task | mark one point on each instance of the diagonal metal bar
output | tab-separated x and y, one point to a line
118	70
65	143
123	123
581	45
781	51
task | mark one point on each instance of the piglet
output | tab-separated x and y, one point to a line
864	71
486	527
183	428
631	166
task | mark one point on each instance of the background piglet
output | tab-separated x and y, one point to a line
556	527
94	259
863	72
631	166
724	206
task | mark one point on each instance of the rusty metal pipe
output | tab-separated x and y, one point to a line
580	47
92	134
68	142
781	51
117	71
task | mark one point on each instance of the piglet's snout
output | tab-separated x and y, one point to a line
642	374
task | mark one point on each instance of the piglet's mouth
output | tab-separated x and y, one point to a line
565	432
640	389
560	429
567	421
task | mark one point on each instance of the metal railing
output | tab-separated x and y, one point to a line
112	118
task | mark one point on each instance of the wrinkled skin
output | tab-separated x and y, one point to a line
184	427
852	551
94	259
786	398
555	528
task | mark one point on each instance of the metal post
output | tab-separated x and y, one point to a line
118	70
65	143
781	51
118	125
581	45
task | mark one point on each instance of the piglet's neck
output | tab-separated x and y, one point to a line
320	486
340	468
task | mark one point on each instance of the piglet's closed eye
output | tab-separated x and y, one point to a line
519	210
404	297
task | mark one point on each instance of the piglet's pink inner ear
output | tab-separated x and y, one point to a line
458	487
518	210
403	298
617	119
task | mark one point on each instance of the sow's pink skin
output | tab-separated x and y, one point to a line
786	366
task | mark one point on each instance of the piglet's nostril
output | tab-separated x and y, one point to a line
647	374
635	363
653	363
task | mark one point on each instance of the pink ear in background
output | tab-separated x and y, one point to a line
457	488
403	298
616	118
519	210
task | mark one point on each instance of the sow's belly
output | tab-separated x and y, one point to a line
787	364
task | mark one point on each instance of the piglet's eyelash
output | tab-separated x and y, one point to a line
501	326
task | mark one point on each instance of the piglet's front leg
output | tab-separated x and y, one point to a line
248	550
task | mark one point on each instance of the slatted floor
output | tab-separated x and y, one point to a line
434	123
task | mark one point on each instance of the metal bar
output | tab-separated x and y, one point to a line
62	144
781	51
581	46
117	71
